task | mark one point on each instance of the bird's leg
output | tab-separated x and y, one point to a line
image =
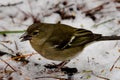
57	66
61	65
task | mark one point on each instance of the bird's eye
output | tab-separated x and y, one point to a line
35	32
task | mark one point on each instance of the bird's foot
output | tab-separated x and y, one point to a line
57	67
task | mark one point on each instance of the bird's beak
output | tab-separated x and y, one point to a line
25	37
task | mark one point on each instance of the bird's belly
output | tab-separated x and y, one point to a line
51	53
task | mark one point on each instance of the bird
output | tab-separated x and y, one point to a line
61	42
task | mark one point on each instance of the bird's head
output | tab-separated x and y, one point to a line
34	30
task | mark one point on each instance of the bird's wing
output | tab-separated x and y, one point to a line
78	38
81	37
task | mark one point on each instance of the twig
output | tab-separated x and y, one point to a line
23	12
35	19
91	13
7	47
16	46
98	8
14	4
96	25
100	76
51	77
27	15
68	5
8	65
30	6
7	41
114	63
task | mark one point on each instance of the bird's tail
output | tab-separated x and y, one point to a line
99	37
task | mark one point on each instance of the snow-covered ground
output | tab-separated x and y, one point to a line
96	60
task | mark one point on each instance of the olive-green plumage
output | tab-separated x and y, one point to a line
60	42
